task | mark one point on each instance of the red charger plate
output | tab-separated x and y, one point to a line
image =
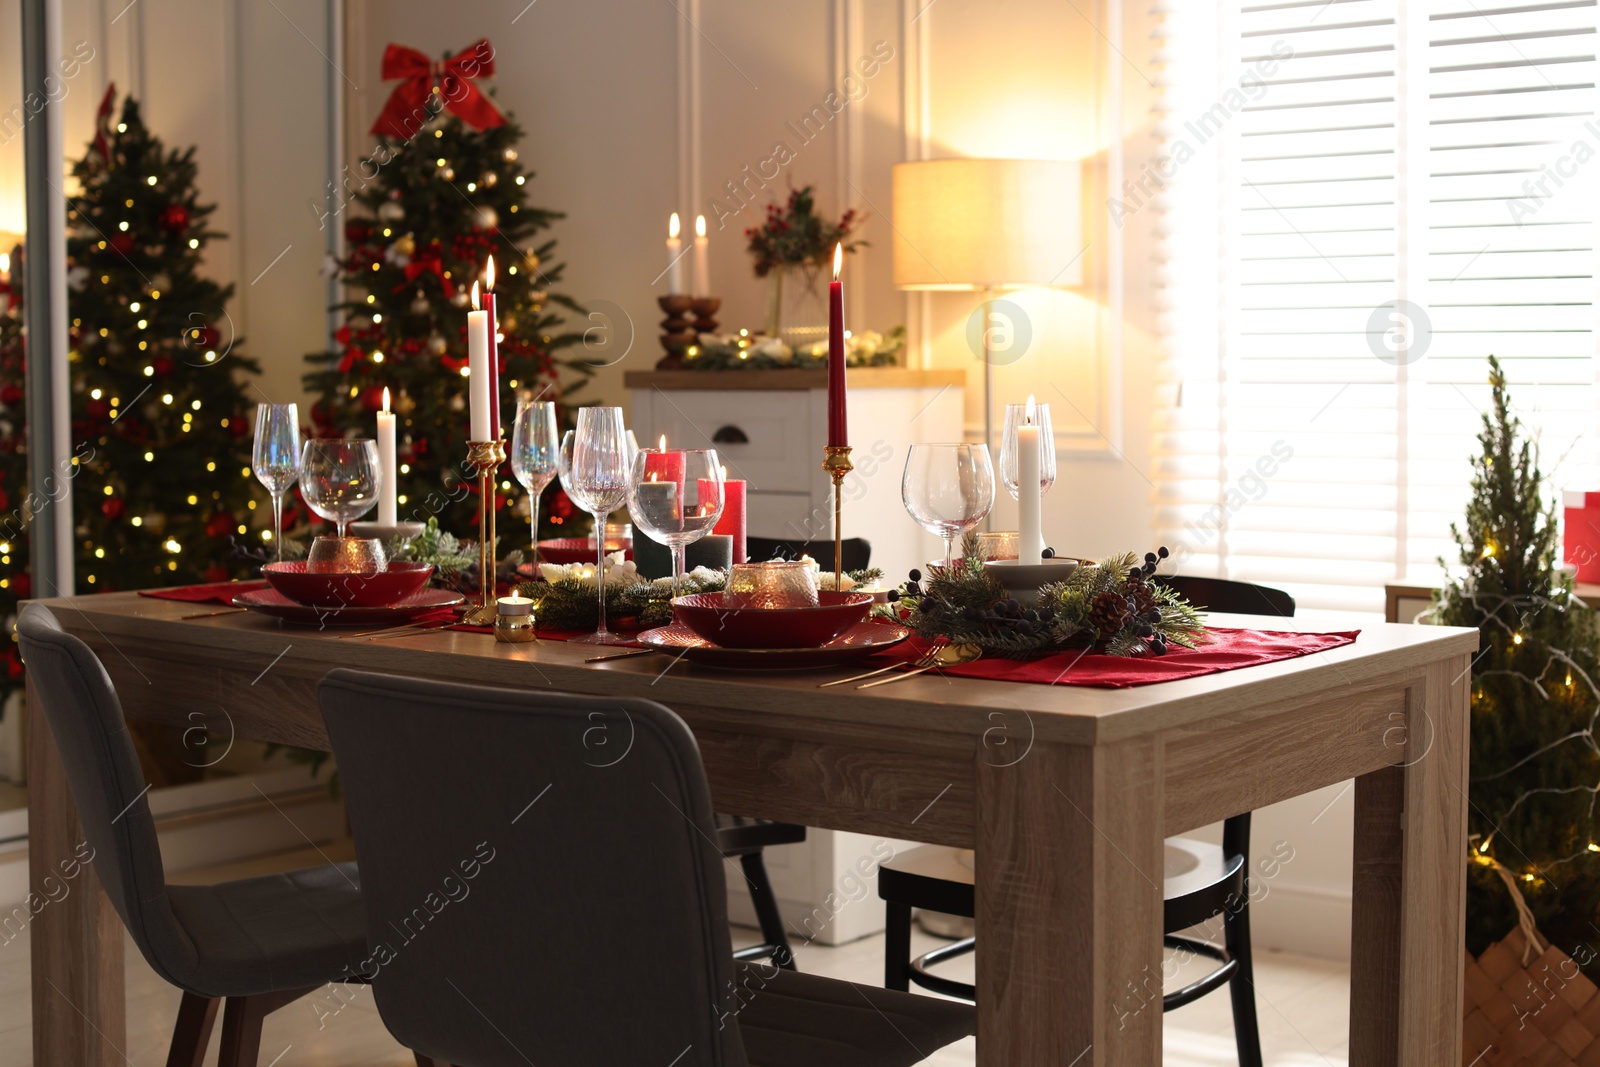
272	602
785	628
376	589
860	640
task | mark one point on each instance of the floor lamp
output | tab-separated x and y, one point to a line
986	226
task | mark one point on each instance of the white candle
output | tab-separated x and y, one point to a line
1030	494
478	368
702	258
674	257
389	470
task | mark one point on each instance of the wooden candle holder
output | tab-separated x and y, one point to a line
705	307
677	329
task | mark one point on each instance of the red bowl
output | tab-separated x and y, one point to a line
727	627
577	550
364	589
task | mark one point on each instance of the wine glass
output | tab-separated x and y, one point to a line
276	459
564	461
535	456
1029	414
598	484
339	478
675	497
948	489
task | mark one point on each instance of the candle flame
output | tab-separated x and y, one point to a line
838	259
673	226
489	274
1030	409
699	225
723	467
386	400
5	261
475	304
652	477
663	442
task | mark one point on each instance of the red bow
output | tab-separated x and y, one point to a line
426	262
102	123
409	107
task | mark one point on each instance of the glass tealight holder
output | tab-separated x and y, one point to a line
998	544
513	621
776	584
346	555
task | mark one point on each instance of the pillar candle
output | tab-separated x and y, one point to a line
714	551
660	501
1030	495
493	360
731	521
651	558
663	465
389	470
674	257
478	368
838	431
702	258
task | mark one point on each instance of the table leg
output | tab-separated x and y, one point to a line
1409	908
79	1017
1069	870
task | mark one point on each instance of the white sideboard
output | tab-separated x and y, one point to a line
770	427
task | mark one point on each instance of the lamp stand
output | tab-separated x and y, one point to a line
987	296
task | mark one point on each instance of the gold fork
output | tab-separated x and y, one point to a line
927	659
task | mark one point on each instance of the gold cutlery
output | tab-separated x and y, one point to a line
412	631
948	656
927	659
387	629
621	655
213	614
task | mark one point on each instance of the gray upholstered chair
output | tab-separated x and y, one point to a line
260	942
528	906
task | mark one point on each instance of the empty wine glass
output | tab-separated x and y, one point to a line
564	461
598	483
276	459
535	457
948	489
339	478
1029	414
675	496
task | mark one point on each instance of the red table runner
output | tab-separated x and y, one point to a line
213	593
1228	649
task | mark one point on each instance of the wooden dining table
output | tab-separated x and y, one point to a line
1065	793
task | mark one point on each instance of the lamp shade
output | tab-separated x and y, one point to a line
987	224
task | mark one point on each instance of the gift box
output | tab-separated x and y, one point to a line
1580	534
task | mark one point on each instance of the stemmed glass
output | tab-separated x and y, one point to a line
676	497
276	459
948	489
535	456
598	483
1023	415
339	478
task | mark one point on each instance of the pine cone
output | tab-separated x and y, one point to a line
1109	613
1142	596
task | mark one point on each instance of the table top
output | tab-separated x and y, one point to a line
1070	714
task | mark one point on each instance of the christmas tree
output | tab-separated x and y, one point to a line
445	193
15	581
1535	764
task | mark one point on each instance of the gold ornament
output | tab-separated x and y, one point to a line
405	405
436	344
406	244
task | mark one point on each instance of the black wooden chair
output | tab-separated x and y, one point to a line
857	551
1202	881
538	909
260	943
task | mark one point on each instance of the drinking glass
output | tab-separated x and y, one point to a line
339	478
598	483
564	461
276	459
535	457
948	489
1019	415
675	496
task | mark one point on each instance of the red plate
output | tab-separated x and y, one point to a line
862	639
371	589
272	602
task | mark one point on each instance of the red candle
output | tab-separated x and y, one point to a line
838	432
664	466
494	355
731	522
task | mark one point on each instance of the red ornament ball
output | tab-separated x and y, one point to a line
113	508
163	366
174	218
10	394
238	427
22	586
121	243
372	399
220	525
358	231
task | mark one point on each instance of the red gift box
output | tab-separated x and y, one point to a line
1580	534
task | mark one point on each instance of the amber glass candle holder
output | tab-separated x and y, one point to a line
776	584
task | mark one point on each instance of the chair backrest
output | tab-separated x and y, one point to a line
107	785
540	874
1221	594
857	551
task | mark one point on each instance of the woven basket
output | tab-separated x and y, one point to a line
1544	1013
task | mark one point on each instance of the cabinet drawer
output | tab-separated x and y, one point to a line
781	443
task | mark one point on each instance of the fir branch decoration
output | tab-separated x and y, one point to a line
1111	606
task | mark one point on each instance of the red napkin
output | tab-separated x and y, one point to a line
1228	649
214	593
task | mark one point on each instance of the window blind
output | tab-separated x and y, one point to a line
1362	199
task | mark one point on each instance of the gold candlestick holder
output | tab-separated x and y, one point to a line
836	461
485	457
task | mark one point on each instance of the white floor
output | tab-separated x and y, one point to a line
1303	1005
